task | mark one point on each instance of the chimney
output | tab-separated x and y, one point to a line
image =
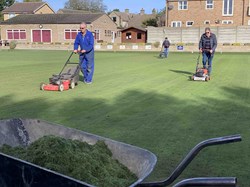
142	12
126	10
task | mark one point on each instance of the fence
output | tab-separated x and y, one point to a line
225	35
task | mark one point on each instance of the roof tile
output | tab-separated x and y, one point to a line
27	7
52	19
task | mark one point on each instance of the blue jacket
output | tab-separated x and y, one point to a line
85	44
213	41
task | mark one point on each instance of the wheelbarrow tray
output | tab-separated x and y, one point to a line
21	132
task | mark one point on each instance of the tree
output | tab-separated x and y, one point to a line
150	22
161	16
3	5
87	5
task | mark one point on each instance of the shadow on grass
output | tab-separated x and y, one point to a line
182	72
167	126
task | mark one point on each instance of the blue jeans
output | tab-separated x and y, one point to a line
207	57
166	51
87	66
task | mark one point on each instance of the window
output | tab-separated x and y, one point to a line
11	15
209	4
41	35
189	23
176	24
108	33
182	5
118	34
227	22
114	19
16	34
206	22
97	35
227	7
128	35
139	36
70	34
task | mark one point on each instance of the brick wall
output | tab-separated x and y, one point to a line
198	13
105	23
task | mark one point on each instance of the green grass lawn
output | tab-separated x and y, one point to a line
142	100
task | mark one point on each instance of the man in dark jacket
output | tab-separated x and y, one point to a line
207	46
85	41
165	46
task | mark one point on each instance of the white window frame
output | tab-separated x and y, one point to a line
248	22
177	23
16	30
187	25
51	36
99	34
70	30
227	22
182	5
118	34
227	13
209	5
207	22
108	33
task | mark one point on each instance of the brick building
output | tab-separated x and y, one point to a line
201	13
57	28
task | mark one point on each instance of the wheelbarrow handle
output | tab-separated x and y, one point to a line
208	182
190	156
221	140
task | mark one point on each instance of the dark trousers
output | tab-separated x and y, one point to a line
207	59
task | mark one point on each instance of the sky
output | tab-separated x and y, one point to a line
134	6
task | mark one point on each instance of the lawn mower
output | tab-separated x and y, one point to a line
66	79
201	73
162	53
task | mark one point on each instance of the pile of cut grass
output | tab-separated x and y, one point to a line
89	163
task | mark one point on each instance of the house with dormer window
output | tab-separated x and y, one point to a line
27	8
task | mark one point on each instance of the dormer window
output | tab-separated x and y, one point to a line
11	15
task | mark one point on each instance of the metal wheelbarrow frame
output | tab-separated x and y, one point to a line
17	172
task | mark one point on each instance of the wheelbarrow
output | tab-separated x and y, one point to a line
15	172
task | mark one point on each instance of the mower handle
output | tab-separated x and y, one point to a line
190	156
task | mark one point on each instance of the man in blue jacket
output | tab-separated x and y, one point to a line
85	43
207	46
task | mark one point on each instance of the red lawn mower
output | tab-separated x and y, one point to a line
201	73
66	79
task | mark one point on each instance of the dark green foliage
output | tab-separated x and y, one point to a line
5	3
87	5
64	155
150	22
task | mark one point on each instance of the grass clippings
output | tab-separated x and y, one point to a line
89	163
